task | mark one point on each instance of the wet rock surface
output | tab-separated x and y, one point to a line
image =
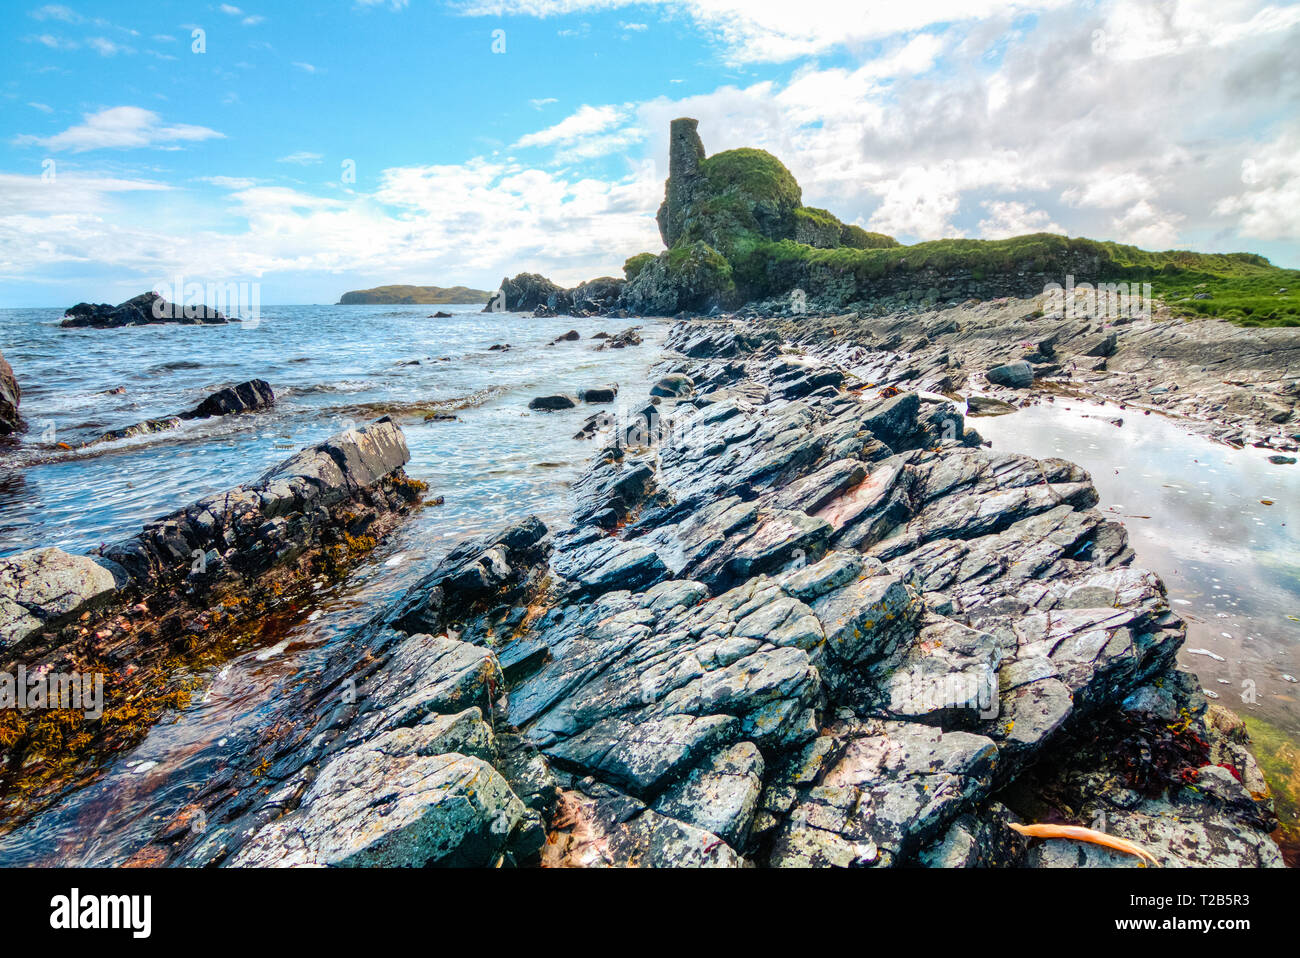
251	396
796	620
10	396
189	585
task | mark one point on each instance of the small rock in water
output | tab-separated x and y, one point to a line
1289	678
552	402
1282	460
1207	652
988	406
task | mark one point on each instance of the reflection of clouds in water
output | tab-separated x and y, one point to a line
1232	561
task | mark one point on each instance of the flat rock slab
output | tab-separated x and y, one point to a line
43	588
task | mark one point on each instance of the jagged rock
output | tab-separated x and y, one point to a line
439	808
685	153
10	395
256	525
721	795
628	337
249	396
245	397
524	293
143	310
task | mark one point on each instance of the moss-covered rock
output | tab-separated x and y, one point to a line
633	265
691	276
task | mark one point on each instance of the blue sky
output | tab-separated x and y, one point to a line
492	137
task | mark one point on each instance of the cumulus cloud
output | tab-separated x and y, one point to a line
588	120
1011	218
121	128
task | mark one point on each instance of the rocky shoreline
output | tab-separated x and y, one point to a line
795	620
1240	386
152	611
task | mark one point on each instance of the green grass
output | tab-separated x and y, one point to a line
1251	300
1242	287
634	264
756	173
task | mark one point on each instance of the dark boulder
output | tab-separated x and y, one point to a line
598	394
552	403
525	293
144	310
246	397
1017	375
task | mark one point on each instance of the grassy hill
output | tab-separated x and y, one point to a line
413	295
737	231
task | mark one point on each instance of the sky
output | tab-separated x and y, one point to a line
314	148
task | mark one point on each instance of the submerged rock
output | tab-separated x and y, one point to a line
988	406
550	403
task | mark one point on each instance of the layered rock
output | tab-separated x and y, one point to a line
143	310
137	610
532	292
1235	384
794	621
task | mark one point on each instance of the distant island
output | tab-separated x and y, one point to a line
413	295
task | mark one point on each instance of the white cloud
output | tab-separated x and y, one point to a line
1269	206
586	121
53	42
55	11
229	182
107	48
756	31
480	219
305	67
1011	218
43	107
301	158
121	127
543	101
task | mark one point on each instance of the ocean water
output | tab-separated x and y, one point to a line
330	367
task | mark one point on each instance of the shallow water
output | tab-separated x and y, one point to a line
1196	515
330	367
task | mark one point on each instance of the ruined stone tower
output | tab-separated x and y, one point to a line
685	151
